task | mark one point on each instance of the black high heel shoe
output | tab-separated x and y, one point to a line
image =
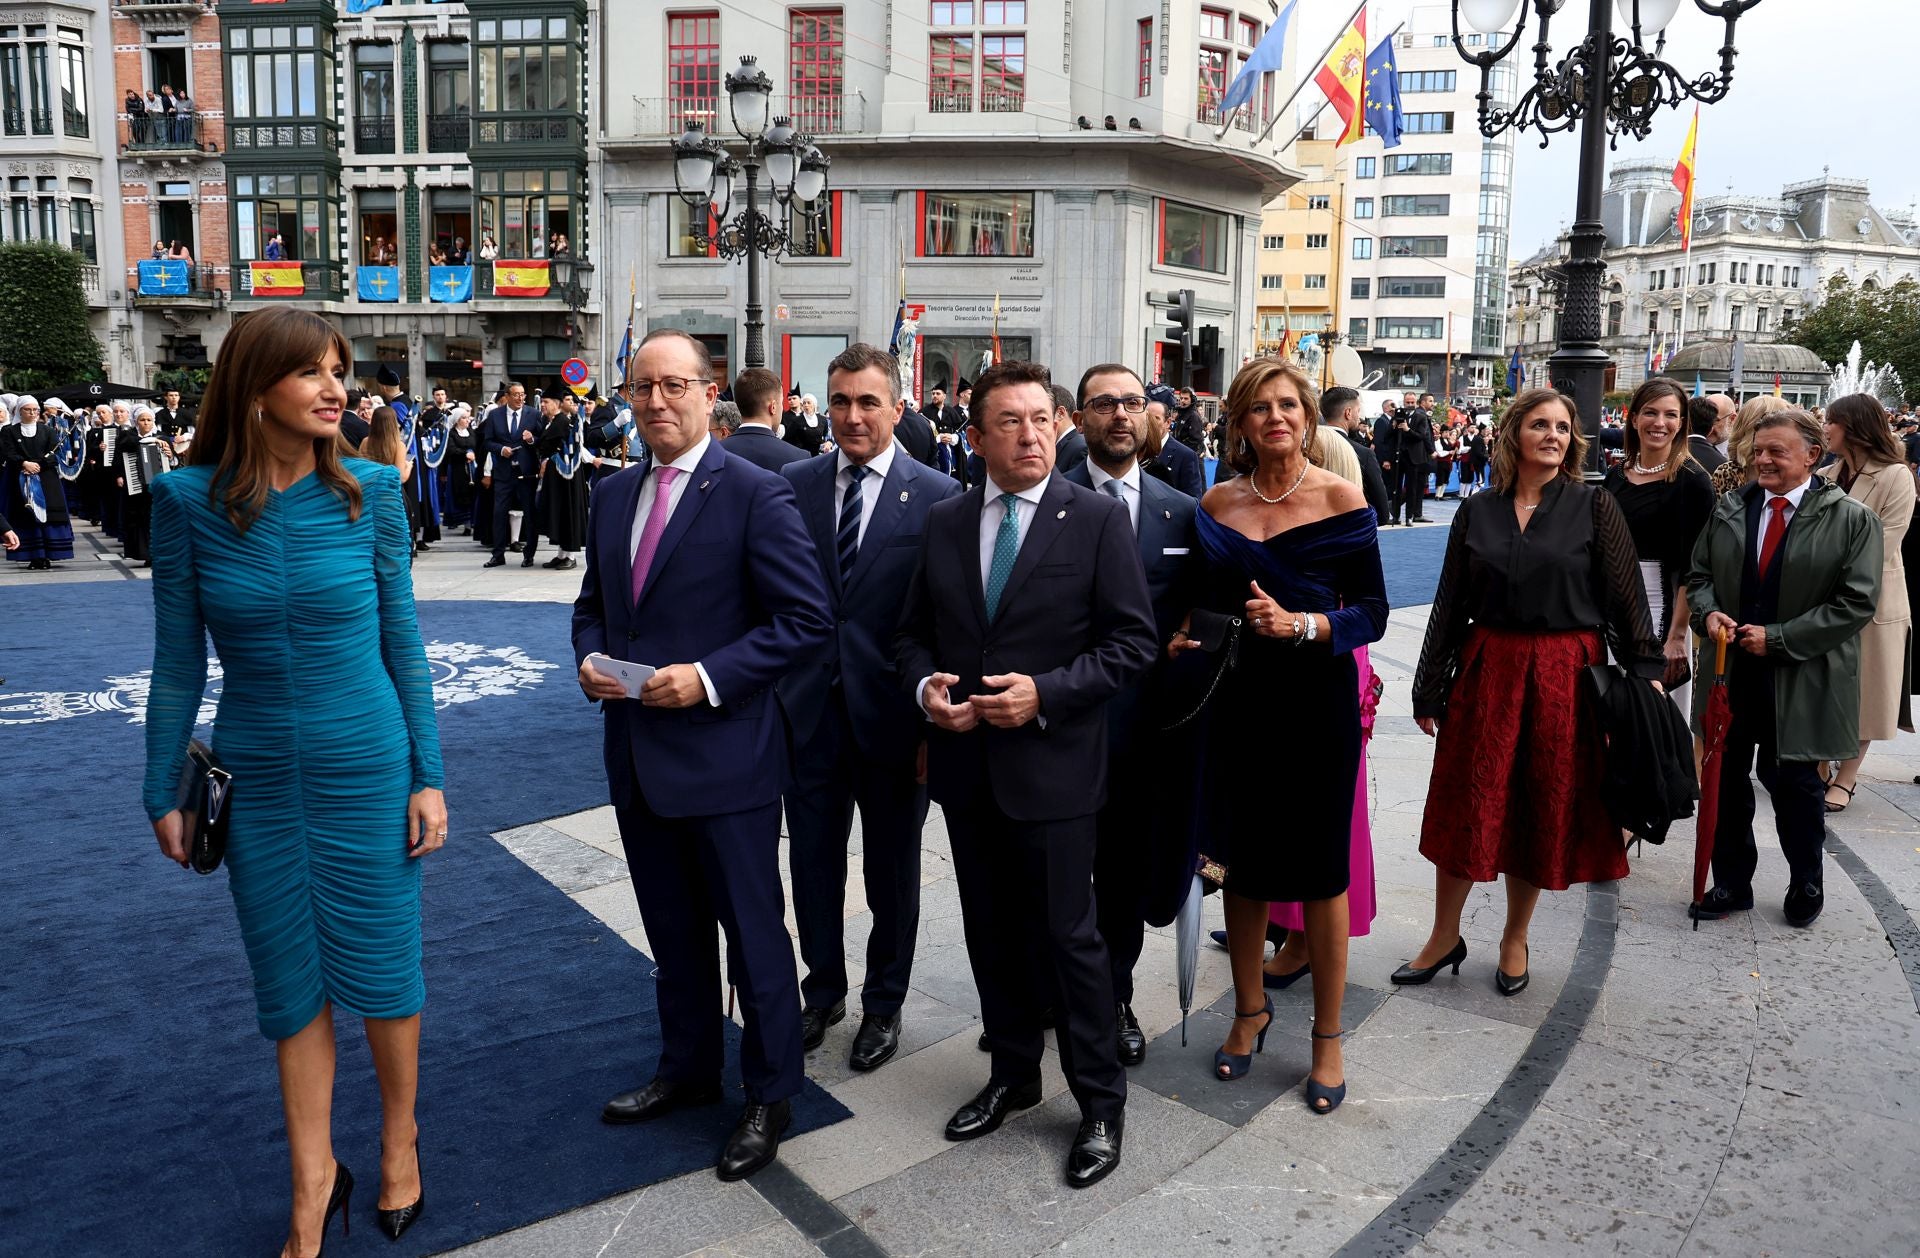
337	1203
395	1222
1513	984
1410	975
1236	1065
1322	1099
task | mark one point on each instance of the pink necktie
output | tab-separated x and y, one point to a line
655	526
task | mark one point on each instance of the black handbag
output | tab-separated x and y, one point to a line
206	801
1218	634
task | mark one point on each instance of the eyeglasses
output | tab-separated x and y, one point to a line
673	388
1105	405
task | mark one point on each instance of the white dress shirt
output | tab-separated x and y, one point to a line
1129	488
877	468
686	465
992	513
1793	497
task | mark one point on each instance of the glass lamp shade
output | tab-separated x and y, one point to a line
1655	15
1488	16
694	158
751	93
812	179
782	157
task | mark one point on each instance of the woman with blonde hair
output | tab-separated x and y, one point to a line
294	559
1540	578
1738	469
1870	466
1290	571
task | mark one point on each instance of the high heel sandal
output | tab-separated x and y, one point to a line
1836	785
1236	1065
395	1222
338	1202
1410	975
1322	1099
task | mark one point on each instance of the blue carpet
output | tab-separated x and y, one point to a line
143	1110
1411	558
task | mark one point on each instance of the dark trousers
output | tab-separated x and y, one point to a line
1117	870
689	874
830	777
1799	810
1410	489
514	494
138	518
1026	903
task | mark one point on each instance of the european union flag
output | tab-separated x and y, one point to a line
378	283
450	283
1383	94
1265	59
163	278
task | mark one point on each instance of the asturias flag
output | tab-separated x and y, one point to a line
1683	179
163	278
277	278
1266	59
1343	78
1383	94
377	283
521	278
449	283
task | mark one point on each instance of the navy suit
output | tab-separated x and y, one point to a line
762	448
514	480
1070	451
697	790
1180	467
1019	803
1169	554
856	737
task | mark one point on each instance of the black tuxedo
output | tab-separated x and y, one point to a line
1372	483
515	478
1412	457
856	736
1076	616
760	447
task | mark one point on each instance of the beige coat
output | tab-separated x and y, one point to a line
1888	490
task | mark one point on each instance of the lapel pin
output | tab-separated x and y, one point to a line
1061	516
1167	514
903	495
705	483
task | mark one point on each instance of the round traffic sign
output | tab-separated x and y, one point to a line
574	371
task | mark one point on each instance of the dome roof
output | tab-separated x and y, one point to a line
1716	358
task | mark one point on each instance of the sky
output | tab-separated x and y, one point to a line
1817	83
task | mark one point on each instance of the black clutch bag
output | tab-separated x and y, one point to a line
206	800
1219	636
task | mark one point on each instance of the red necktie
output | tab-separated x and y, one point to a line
1776	529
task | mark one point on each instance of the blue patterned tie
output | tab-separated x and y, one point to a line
1006	548
849	534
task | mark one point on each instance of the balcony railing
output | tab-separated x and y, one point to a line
318	279
200	289
1244	119
815	113
373	134
448	133
955	101
75	121
163	133
260	136
543	129
90	277
1002	100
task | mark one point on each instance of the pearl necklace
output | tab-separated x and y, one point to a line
1274	502
1655	470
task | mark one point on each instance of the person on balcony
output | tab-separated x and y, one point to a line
276	248
183	118
178	252
136	106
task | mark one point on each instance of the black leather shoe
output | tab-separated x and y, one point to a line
566	563
1411	975
1718	903
494	561
1132	1040
1513	984
514	547
814	1024
876	1042
396	1222
1804	903
1096	1151
554	562
985	1112
656	1100
526	563
756	1141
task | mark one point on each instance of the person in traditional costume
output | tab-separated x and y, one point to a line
563	486
462	462
142	461
32	496
429	447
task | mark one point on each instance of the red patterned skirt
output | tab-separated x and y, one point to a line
1516	775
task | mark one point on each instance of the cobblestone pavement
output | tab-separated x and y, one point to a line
1746	1089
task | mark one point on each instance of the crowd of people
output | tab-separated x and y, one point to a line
1008	605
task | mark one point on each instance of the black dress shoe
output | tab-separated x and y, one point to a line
1513	984
657	1100
814	1024
1096	1151
1411	975
493	561
396	1222
1718	903
526	563
1804	903
985	1112
554	562
566	562
876	1042
514	547
1132	1040
756	1141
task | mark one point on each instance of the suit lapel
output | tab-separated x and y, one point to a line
619	534
1153	520
700	483
1048	522
968	540
895	493
823	518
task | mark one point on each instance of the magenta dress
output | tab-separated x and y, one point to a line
1360	897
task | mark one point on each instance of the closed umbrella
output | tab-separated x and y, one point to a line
1186	937
1713	735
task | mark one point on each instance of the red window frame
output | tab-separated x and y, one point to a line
836	243
816	67
1143	80
1213	83
950	74
1003	89
1003	12
1216	24
950	12
693	67
1249	32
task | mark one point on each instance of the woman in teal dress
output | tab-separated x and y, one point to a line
296	561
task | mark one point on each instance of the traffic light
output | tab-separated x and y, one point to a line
1174	322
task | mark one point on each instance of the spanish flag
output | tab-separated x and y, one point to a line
274	279
521	278
1683	180
1343	78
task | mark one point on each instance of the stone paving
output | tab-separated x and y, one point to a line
1746	1089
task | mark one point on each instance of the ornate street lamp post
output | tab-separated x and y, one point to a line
1609	85
703	174
573	276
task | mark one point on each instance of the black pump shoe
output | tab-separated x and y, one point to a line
1513	984
337	1203
1410	975
396	1222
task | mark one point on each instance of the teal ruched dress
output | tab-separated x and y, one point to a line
326	721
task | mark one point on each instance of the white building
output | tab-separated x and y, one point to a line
1056	157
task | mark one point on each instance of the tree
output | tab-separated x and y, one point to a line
44	337
1886	322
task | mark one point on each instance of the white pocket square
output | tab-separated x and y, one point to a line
1175	550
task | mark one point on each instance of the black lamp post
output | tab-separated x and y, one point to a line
703	173
573	277
1610	86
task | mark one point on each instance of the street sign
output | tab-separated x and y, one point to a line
574	372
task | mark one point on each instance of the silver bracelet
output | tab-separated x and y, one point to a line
1313	627
1295	635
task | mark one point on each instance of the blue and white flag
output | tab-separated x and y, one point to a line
432	439
70	455
34	496
450	283
566	460
1266	59
378	283
163	277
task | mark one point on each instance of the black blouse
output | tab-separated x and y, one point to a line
1665	518
1573	567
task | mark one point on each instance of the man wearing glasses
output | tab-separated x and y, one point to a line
695	764
1114	417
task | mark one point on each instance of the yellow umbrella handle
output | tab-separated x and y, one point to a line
1719	655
